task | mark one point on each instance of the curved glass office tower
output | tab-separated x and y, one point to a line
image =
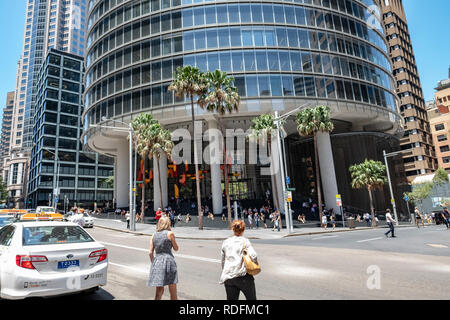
282	55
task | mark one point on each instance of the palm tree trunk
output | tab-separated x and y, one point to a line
318	183
275	185
143	192
160	187
372	209
197	176
225	169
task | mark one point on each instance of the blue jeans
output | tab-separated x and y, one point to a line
391	229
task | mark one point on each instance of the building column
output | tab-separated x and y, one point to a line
156	193
215	156
121	174
275	169
327	172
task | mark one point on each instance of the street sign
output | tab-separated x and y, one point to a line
406	198
338	200
288	180
290	189
392	201
288	196
56	199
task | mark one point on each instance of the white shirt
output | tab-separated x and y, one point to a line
232	257
389	217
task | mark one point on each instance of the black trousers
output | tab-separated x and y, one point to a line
246	284
391	229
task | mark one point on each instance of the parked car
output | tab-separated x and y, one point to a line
49	258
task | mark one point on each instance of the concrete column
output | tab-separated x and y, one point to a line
327	172
156	193
122	172
275	168
215	159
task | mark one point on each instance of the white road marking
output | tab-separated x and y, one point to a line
128	267
325	237
183	256
437	245
366	240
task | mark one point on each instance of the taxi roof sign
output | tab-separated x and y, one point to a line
13	211
42	217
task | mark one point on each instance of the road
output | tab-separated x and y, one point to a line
350	265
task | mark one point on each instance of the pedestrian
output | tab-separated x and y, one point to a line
172	219
324	221
419	217
333	222
250	219
390	221
234	273
158	214
446	217
163	271
264	218
188	218
276	220
256	217
367	219
127	216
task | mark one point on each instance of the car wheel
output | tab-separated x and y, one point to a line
92	290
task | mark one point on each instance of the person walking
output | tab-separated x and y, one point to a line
257	217
390	221
333	222
127	216
324	221
446	217
276	220
163	271
234	273
418	217
172	218
250	219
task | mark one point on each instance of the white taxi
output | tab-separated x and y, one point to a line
49	258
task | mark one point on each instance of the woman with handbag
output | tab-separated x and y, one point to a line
239	264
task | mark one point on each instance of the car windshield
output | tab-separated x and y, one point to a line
44	235
47	210
6	220
87	215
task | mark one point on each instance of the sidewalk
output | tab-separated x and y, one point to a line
192	233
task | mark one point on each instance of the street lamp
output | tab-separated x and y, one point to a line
386	155
55	190
132	206
282	155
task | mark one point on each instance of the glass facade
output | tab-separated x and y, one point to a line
57	131
304	48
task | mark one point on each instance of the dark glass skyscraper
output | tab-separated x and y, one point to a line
282	55
80	176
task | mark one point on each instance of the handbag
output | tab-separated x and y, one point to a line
252	267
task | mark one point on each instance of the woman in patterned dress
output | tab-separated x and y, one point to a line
163	271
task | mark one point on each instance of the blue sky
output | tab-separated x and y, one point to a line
428	25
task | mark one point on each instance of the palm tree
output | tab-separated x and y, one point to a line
163	146
371	175
309	123
141	125
191	81
221	98
265	126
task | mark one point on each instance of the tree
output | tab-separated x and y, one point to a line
440	177
3	190
163	146
420	193
265	126
221	98
370	175
191	81
309	123
142	126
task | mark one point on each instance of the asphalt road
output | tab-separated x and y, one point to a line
350	265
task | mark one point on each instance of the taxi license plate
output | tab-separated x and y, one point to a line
67	264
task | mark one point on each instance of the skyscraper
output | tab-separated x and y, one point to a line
419	156
58	24
6	132
281	55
